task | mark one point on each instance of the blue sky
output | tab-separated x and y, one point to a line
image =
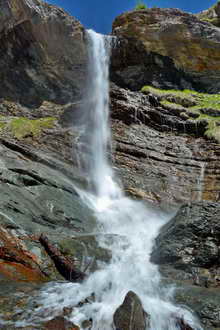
99	14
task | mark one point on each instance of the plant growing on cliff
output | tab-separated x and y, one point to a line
140	6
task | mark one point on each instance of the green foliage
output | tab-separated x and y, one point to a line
140	6
196	106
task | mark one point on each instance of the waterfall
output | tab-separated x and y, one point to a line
100	172
127	229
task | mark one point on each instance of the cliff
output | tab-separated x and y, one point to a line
166	48
165	143
41	48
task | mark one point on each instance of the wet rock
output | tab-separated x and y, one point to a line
130	315
191	239
63	264
17	262
147	53
183	325
204	302
187	250
86	250
60	323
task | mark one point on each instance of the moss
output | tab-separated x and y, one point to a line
187	98
171	105
213	126
22	127
196	106
184	98
2	125
208	101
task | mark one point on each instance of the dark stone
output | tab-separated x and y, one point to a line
191	238
42	47
130	315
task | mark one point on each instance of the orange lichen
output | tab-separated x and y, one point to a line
20	273
16	262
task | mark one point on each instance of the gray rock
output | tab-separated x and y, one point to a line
130	315
42	47
191	239
187	250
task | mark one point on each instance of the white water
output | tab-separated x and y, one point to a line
128	229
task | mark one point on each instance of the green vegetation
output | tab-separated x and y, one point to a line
196	106
21	127
213	126
140	6
184	98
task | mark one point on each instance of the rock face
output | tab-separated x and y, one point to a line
211	15
160	154
188	251
42	48
130	315
192	238
148	52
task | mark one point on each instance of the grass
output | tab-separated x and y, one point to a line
213	126
21	127
184	98
198	106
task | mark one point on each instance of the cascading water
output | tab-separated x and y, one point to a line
127	230
97	122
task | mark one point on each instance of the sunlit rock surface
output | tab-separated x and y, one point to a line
211	15
167	48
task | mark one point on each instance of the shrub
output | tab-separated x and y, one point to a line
140	6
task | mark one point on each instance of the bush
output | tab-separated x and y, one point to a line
140	6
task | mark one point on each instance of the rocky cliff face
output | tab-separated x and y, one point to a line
166	48
42	53
211	15
165	151
162	155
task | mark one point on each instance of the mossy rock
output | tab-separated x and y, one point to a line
185	98
188	104
21	127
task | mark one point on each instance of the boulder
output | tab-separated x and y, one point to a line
191	238
130	315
